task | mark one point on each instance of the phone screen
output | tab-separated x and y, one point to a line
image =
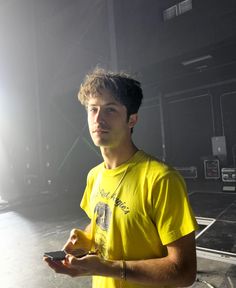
55	255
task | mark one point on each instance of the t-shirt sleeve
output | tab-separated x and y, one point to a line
172	212
85	201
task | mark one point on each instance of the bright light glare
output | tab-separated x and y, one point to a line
4	161
4	171
4	111
17	245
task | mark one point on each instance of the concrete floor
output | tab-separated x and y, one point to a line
27	231
33	226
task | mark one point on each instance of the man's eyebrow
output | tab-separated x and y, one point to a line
112	103
106	104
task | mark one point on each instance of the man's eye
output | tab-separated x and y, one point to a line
110	109
92	109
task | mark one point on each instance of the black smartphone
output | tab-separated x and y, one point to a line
56	255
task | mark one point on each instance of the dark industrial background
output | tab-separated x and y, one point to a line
184	54
46	49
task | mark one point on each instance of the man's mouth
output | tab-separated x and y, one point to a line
100	131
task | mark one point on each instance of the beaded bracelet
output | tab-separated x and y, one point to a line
123	270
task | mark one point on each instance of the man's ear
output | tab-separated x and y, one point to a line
133	119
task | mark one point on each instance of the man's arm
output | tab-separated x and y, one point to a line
178	268
79	239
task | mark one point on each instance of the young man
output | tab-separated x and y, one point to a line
142	226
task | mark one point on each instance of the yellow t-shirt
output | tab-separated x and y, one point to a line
136	209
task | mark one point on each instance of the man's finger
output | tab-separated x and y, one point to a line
60	267
74	239
71	260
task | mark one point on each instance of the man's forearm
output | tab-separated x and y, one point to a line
178	268
161	271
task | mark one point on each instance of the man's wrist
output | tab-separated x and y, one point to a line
113	268
123	270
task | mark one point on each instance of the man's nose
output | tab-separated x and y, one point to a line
99	117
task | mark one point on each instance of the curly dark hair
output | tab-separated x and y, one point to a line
123	88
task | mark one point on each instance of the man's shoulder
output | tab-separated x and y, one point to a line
156	166
154	161
95	170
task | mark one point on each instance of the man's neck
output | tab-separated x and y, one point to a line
114	157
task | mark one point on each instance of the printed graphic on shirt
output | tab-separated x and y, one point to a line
101	243
103	212
103	218
115	199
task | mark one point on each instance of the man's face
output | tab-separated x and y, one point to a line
107	120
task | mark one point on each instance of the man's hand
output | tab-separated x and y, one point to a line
72	266
79	243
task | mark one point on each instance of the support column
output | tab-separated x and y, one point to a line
162	127
112	34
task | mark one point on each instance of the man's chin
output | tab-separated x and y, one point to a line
99	143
